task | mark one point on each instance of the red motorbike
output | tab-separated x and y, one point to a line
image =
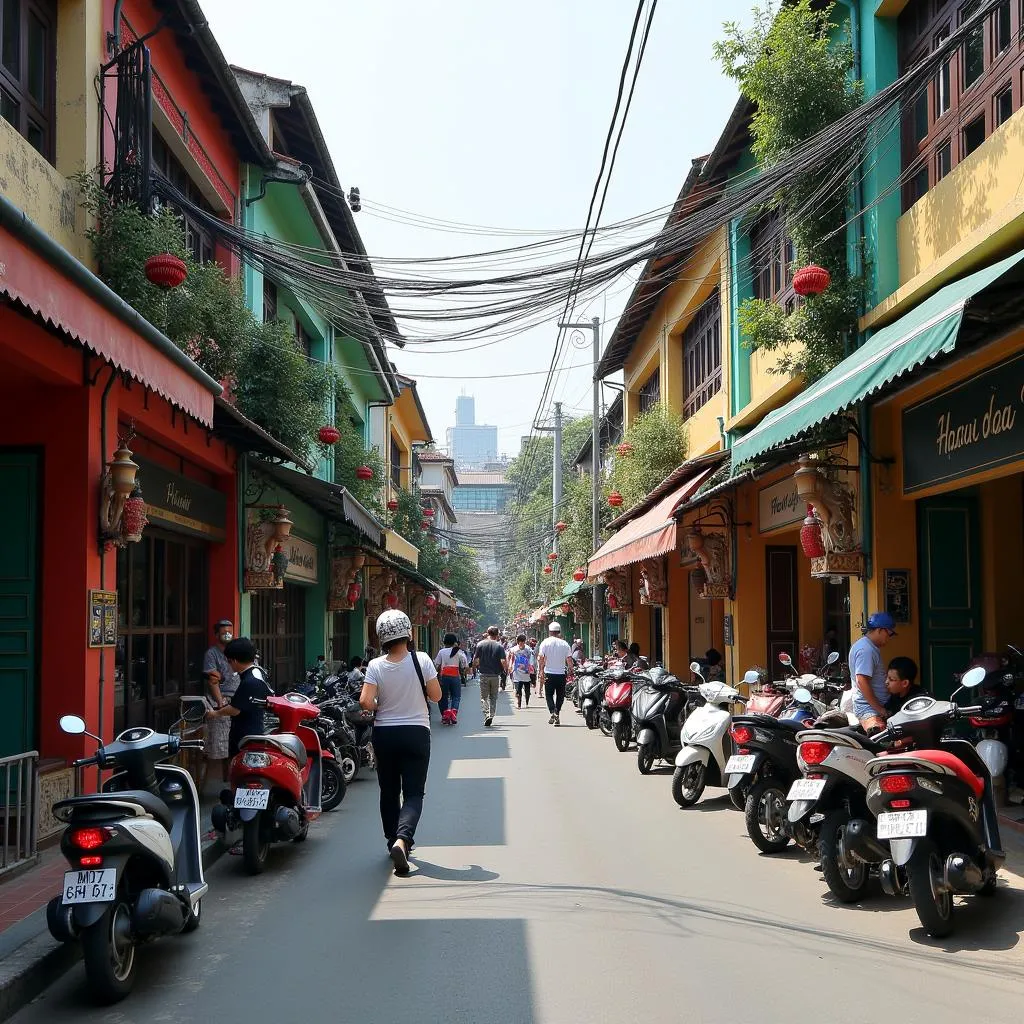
279	783
616	717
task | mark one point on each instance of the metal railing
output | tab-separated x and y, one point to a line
20	779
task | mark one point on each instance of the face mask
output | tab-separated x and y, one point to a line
226	638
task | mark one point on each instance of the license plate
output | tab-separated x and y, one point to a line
806	789
252	799
739	764
90	886
902	824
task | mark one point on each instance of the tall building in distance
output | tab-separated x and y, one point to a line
472	445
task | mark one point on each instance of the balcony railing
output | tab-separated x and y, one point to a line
20	775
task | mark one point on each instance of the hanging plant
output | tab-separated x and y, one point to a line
279	563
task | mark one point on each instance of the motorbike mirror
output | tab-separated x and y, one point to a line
785	659
751	677
72	725
971	678
802	695
695	667
832	658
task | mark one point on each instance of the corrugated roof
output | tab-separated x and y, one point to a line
467	479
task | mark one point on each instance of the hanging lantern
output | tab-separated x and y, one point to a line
355	591
392	505
281	524
579	575
553	557
613	602
615	499
391	599
165	270
279	563
566	608
134	520
364	473
561	527
810	536
811	280
426	524
428	512
548	570
443	551
624	449
329	435
431	602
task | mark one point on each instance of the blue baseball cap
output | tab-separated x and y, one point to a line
881	620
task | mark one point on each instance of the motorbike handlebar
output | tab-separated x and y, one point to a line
84	762
192	745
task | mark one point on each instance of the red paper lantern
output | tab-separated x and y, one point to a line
428	512
553	557
364	473
430	602
579	575
329	435
566	608
355	591
391	600
548	570
624	449
615	499
811	280
426	524
165	270
392	505
613	602
561	527
810	536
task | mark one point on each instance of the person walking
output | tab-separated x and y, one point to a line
506	647
451	663
490	659
523	667
221	681
398	686
554	656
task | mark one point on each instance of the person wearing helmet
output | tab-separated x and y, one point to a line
554	656
397	687
867	670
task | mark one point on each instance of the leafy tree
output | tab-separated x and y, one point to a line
659	445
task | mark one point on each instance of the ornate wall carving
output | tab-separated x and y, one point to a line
619	588
653	582
712	551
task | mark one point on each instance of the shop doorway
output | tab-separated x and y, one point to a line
700	622
19	581
279	633
341	637
657	635
950	599
781	604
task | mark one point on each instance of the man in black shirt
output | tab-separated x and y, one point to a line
246	715
901	682
491	660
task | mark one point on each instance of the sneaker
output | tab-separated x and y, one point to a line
551	720
557	721
487	722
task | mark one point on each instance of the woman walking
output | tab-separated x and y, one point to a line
451	663
397	687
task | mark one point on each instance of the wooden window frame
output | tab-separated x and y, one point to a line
702	356
649	394
198	238
772	257
16	87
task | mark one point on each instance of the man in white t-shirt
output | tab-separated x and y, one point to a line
554	656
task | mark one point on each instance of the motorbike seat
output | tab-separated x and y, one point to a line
793	725
139	802
288	743
858	734
952	765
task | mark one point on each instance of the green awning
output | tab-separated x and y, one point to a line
930	329
571	589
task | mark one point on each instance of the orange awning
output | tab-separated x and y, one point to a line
649	535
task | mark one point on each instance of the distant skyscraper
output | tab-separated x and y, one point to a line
470	444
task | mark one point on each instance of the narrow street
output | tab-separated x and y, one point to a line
554	884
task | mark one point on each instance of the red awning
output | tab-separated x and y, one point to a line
31	280
649	535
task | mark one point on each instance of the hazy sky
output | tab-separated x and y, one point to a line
494	113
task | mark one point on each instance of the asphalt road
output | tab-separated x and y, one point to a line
554	884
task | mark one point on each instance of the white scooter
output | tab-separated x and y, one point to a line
706	742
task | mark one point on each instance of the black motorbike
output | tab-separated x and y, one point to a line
659	709
590	687
588	668
135	856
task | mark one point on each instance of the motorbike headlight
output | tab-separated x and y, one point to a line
256	760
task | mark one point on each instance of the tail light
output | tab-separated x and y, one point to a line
895	783
90	862
90	838
814	751
742	734
899	805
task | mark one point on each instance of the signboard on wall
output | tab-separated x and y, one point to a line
779	505
102	618
969	428
302	560
179	503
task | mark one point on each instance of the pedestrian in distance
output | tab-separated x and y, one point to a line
554	656
492	663
399	687
451	663
506	646
523	666
221	681
532	644
868	673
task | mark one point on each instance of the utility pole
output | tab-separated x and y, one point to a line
595	471
556	475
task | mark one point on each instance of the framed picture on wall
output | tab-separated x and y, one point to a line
897	594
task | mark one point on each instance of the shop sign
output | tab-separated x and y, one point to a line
302	560
102	618
969	428
780	505
178	503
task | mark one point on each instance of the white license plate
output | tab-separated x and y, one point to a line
806	789
87	886
902	824
252	799
739	764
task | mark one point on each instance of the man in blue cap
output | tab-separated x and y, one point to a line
867	670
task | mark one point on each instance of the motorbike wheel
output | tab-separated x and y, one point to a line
645	758
590	717
738	798
688	783
349	761
255	847
845	883
194	918
765	813
108	950
933	903
621	735
332	785
605	723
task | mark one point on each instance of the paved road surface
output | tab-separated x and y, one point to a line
555	885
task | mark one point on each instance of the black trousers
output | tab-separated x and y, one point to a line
402	753
554	691
523	686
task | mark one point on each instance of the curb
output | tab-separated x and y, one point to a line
39	962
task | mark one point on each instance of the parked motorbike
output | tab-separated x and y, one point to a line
660	707
706	742
587	669
615	716
135	855
276	782
935	806
337	736
591	690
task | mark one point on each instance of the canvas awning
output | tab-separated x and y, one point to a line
929	330
649	535
571	590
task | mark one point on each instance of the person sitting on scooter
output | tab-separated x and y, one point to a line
901	681
246	716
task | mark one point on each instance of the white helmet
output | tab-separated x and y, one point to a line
393	625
